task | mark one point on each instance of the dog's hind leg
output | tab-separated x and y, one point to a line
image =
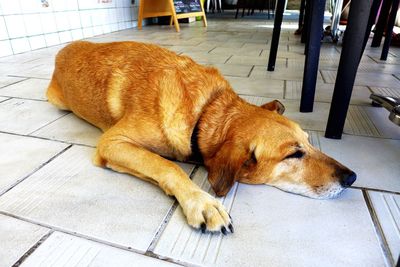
120	153
55	96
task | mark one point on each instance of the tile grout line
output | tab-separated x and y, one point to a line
47	139
32	249
22	98
387	255
1	101
34	170
375	190
93	239
26	78
47	124
168	216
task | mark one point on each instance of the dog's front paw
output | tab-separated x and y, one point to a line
206	213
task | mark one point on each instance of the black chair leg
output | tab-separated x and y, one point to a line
312	56
389	29
275	35
372	17
381	24
348	65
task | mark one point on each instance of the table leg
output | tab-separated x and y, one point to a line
312	56
348	65
275	34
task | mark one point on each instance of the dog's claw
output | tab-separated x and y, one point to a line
231	228
203	227
223	230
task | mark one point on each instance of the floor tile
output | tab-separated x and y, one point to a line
206	58
357	121
367	79
3	98
72	194
16	238
20	156
5	80
379	116
71	129
342	232
236	51
66	250
255	60
324	92
30	88
25	116
249	86
386	91
260	72
44	71
386	207
234	70
376	161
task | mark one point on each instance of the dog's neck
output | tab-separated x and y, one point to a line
214	122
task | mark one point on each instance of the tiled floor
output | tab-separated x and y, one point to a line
57	209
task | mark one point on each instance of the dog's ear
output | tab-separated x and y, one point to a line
224	167
275	106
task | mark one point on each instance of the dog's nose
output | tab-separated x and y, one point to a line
348	179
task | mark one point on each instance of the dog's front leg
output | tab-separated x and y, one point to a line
201	209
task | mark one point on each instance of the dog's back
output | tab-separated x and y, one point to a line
105	83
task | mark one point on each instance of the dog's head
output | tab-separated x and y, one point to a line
268	148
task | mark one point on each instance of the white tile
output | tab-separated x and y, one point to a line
30	88
386	128
21	156
74	19
31	6
376	161
10	7
5	48
44	71
77	34
112	16
88	32
97	30
368	79
86	19
60	5
106	28
280	229
37	42
16	238
5	80
71	193
15	26
52	39
3	29
71	129
248	86
65	36
324	92
387	209
234	70
25	116
33	25
114	27
20	45
67	250
62	21
48	21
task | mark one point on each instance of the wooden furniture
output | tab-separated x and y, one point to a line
159	8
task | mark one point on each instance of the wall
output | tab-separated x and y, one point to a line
28	25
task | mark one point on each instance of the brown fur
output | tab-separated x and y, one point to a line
148	100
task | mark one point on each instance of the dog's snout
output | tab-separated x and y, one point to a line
348	179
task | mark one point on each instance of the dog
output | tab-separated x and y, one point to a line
154	105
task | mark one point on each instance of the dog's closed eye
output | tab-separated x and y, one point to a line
296	155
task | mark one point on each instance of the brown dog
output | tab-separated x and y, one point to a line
153	104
